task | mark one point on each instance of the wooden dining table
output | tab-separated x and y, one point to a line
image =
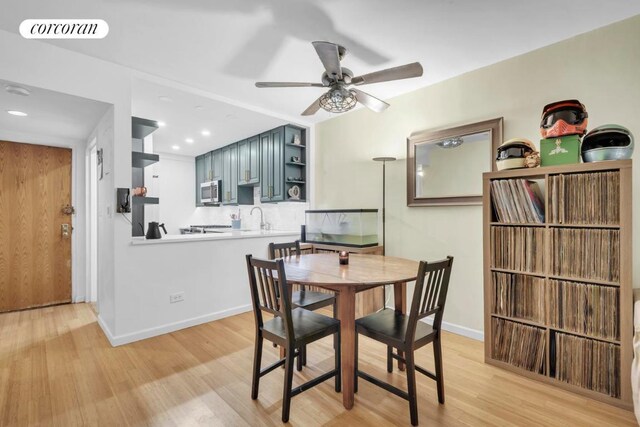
363	272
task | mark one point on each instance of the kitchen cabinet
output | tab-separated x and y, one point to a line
249	161
230	174
201	174
283	164
213	165
232	194
275	161
272	162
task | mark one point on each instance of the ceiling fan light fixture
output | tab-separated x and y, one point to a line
338	100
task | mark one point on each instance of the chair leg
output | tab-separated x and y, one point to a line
355	363
338	362
288	382
411	386
335	316
437	355
304	356
257	360
389	359
299	359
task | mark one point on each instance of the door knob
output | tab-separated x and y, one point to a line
66	231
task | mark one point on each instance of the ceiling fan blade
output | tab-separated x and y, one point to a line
396	73
288	84
330	56
370	101
312	109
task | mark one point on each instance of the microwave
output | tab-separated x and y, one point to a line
210	192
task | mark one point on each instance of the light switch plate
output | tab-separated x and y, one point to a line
177	297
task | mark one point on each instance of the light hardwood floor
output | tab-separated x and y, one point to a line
57	368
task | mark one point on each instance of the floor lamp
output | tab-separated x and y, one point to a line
384	161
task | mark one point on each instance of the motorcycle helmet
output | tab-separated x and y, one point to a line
512	153
607	142
563	118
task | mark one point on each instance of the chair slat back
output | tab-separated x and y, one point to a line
284	250
269	291
430	293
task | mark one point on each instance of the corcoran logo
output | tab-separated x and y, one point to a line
64	29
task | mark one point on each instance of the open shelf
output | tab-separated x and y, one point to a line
142	160
526	273
518	224
295	182
295	145
296	163
140	200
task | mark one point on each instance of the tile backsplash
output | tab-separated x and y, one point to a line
281	216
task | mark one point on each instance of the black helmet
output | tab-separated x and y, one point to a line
607	142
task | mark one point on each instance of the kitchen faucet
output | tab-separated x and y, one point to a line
263	225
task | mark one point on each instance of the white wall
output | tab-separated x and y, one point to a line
599	68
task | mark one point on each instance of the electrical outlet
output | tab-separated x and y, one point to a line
177	297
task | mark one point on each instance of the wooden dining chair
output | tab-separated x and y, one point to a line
303	298
406	333
292	329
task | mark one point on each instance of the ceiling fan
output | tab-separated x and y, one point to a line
342	96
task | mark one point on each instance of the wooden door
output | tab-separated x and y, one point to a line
35	257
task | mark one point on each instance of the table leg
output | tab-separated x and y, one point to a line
347	316
400	300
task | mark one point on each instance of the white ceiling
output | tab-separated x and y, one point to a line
186	115
223	47
50	114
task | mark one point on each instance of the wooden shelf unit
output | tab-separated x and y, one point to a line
625	296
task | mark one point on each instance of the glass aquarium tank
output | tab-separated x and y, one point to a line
344	227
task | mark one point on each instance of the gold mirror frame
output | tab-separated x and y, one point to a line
493	126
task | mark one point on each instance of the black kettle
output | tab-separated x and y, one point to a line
153	232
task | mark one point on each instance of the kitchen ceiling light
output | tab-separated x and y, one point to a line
189	140
175	147
17	90
161	124
205	133
17	113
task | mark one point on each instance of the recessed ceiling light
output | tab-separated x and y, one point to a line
199	107
165	98
161	124
205	132
189	140
17	113
175	147
17	90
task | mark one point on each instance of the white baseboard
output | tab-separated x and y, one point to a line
459	330
169	327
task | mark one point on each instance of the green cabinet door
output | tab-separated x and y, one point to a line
216	165
200	177
230	174
249	161
254	160
207	166
272	166
265	166
277	183
243	162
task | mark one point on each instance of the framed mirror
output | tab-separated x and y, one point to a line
445	167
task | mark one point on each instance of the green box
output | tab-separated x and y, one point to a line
564	150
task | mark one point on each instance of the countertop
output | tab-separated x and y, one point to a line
227	235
